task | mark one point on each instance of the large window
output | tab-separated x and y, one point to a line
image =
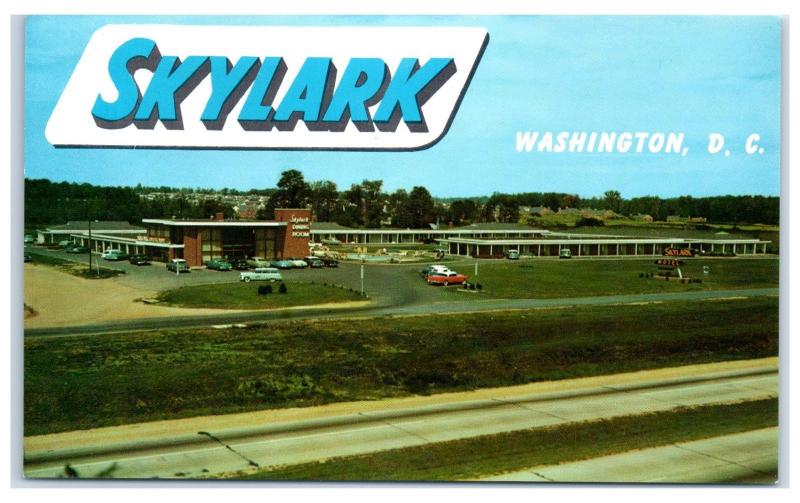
265	242
211	243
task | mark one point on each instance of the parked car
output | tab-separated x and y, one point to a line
27	257
219	264
565	253
282	264
114	255
240	264
446	278
261	274
77	249
297	262
65	243
433	269
258	262
329	262
139	259
178	265
512	254
28	238
314	262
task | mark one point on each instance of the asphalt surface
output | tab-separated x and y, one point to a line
749	457
393	289
210	453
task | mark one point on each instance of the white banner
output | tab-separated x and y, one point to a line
266	87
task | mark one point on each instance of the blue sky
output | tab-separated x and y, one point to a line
695	75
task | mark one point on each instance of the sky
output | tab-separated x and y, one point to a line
696	75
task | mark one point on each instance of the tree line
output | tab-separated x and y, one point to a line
365	204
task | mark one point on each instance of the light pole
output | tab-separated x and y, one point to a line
362	280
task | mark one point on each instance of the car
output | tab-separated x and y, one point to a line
65	243
240	264
28	238
219	264
329	262
282	264
114	255
298	263
178	265
77	249
435	268
27	257
258	262
446	278
512	254
314	262
565	253
261	274
139	259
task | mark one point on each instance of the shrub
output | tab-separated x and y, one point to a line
265	289
282	288
478	286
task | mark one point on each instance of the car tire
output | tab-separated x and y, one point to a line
247	280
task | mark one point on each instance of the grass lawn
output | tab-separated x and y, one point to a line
89	381
245	295
492	454
583	278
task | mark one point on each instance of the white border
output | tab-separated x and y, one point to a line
10	255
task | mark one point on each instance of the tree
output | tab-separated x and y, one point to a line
293	191
323	197
420	207
612	200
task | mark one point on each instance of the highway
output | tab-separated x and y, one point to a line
206	451
381	309
750	456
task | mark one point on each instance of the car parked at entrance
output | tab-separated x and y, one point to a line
565	253
139	259
446	278
282	264
258	262
512	254
261	274
178	265
298	263
314	262
114	255
77	249
240	264
329	262
219	264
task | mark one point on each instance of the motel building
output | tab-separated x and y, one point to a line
596	246
198	241
291	233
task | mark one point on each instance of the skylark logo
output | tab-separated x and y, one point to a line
266	87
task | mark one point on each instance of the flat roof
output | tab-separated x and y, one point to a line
479	241
128	241
459	230
214	223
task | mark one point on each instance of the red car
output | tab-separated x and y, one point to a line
446	278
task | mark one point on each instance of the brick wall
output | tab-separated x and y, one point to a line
292	241
191	247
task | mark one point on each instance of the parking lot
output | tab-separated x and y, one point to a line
385	284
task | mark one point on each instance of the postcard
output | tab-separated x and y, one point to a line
533	249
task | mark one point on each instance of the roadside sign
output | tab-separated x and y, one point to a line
668	262
679	252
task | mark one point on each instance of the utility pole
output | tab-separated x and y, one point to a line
362	280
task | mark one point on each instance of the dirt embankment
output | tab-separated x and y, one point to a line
60	299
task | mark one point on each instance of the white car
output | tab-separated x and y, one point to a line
298	263
261	274
257	262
